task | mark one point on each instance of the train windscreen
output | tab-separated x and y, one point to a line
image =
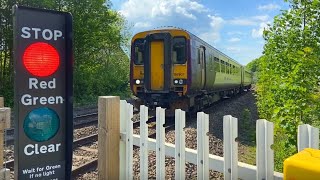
179	50
138	51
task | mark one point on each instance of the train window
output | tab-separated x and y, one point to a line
179	50
198	56
223	66
138	51
216	64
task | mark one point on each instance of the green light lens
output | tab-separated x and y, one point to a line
41	124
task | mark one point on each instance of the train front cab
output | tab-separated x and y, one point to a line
159	66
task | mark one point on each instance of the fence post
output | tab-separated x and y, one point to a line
143	142
180	163
230	147
202	146
308	137
265	154
108	137
126	143
5	120
160	152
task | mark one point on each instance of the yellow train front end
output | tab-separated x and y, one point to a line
159	66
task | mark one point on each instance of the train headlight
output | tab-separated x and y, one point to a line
138	81
179	81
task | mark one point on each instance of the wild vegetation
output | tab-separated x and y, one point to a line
100	64
289	74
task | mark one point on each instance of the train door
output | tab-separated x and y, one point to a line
157	65
202	66
157	53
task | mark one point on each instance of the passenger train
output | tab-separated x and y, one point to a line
174	69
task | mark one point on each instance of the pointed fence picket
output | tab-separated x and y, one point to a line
230	147
160	137
180	161
126	145
143	142
228	164
264	160
308	136
202	146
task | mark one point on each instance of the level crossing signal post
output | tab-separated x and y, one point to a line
43	67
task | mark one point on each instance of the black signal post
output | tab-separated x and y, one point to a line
43	65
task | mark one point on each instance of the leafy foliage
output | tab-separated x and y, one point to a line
289	71
253	66
100	65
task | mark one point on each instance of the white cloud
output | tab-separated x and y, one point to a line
235	33
234	39
142	24
233	49
133	9
249	21
213	35
216	22
242	22
183	11
261	18
242	53
146	9
269	7
257	33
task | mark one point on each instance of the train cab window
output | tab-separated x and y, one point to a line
138	51
179	50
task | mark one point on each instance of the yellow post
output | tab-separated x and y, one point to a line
303	165
108	137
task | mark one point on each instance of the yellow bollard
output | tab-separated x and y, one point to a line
303	165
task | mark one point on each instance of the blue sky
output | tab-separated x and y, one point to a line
232	26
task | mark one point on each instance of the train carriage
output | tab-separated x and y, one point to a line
172	68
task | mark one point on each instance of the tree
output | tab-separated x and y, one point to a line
99	32
253	66
288	90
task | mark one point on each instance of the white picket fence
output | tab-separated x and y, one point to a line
308	136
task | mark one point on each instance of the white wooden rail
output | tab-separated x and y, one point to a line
228	164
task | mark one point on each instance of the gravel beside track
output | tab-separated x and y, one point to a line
235	106
86	131
84	154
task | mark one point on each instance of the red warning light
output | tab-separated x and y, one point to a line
41	59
